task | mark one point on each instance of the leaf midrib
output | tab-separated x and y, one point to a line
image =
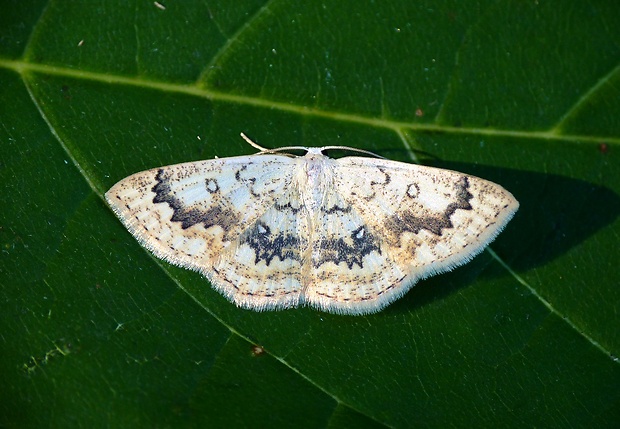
554	133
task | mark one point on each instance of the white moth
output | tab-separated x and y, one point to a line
273	230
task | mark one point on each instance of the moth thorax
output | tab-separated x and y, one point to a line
314	179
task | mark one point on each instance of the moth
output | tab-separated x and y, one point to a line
274	230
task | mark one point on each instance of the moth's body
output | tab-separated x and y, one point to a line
346	235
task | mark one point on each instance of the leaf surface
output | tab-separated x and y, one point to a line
97	332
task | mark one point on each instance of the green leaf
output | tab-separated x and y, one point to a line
97	332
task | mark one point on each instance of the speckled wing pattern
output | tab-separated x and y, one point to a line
348	235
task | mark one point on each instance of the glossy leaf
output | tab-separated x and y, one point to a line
97	332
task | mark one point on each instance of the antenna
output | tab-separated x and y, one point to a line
280	149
